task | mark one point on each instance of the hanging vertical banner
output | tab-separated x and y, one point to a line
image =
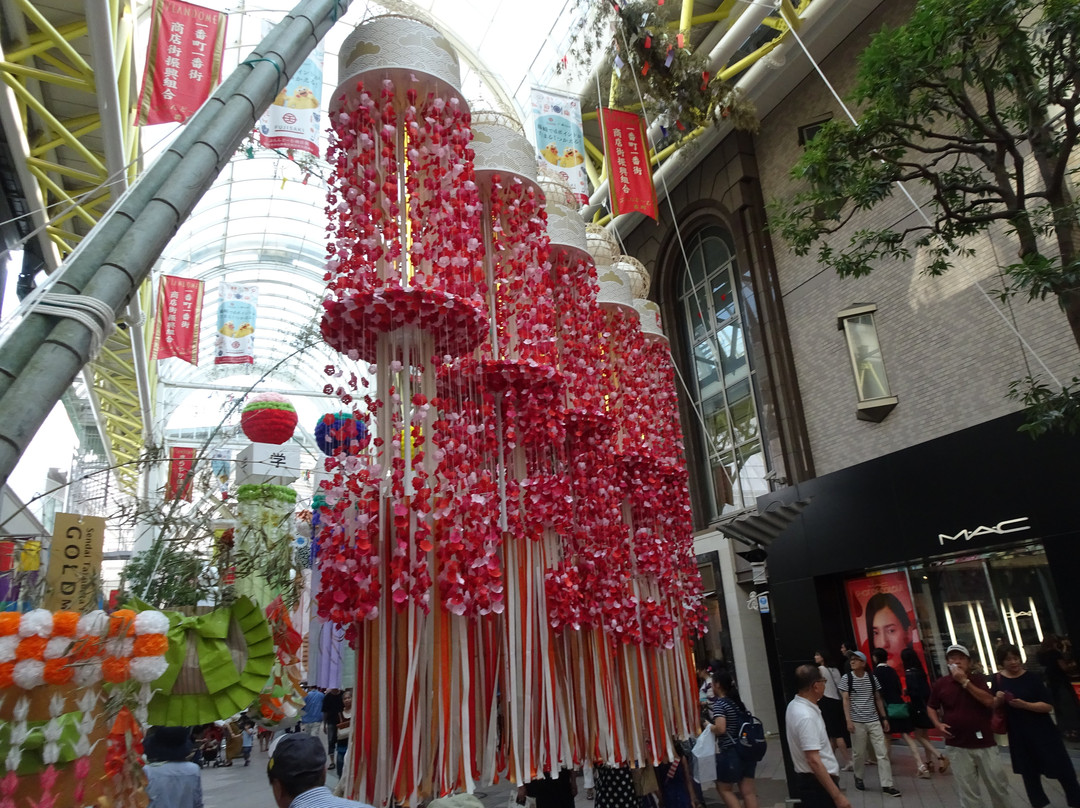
181	461
626	150
73	579
560	138
235	340
179	313
183	61
292	120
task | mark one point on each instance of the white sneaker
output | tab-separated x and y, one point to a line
849	767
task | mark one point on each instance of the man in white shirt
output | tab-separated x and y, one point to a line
816	771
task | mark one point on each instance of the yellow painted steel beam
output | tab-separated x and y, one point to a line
43	75
67	171
39	42
686	16
59	191
62	44
746	61
52	121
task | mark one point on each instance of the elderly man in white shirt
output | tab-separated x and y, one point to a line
816	771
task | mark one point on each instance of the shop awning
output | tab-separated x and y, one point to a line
760	529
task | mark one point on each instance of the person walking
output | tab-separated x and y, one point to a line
297	774
817	774
918	693
832	709
172	780
959	707
311	718
1035	744
899	711
731	769
864	712
333	702
247	740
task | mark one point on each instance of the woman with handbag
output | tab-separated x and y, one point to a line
832	709
918	693
1035	745
731	769
897	709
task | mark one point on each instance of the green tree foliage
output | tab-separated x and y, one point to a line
973	103
177	576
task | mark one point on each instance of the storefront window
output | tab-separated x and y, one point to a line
978	601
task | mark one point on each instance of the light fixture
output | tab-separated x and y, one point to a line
871	384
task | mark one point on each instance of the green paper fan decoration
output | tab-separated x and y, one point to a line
218	664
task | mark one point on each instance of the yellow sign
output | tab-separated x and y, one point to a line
72	582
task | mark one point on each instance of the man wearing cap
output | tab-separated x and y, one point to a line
865	714
172	780
297	774
960	707
817	774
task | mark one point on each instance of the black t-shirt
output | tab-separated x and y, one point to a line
892	692
332	706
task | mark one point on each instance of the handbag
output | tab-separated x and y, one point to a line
999	718
900	709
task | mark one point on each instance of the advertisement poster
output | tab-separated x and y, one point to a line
181	460
883	616
183	61
627	153
179	314
234	343
293	118
73	578
559	137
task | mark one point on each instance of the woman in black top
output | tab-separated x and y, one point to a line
918	693
899	711
1035	745
1056	668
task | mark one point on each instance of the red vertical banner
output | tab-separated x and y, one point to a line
181	461
179	312
627	153
183	61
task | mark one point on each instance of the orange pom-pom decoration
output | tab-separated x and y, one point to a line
150	645
31	648
122	620
58	671
87	648
115	669
65	624
7	671
9	623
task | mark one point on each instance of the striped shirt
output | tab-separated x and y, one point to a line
730	710
863	706
321	797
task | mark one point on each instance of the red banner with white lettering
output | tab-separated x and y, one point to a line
183	61
181	461
627	152
179	312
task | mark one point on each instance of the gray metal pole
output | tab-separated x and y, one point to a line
44	354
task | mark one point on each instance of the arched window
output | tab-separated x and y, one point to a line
713	295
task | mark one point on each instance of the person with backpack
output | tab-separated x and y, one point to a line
729	715
864	712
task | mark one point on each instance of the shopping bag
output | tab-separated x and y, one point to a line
704	758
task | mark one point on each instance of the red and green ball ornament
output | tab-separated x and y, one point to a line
268	418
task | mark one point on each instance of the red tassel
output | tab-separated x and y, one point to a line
645	68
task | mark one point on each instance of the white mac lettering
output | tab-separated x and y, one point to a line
1001	528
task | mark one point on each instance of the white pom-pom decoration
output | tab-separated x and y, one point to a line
57	647
119	647
37	622
29	673
7	648
147	669
88	673
94	624
151	622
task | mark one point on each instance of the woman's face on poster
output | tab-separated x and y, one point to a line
889	633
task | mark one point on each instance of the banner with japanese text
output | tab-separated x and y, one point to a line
234	343
627	153
179	314
292	120
560	138
73	578
183	61
181	461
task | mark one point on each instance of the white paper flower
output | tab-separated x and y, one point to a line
88	673
94	624
38	621
7	648
57	647
119	647
147	669
151	622
29	673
